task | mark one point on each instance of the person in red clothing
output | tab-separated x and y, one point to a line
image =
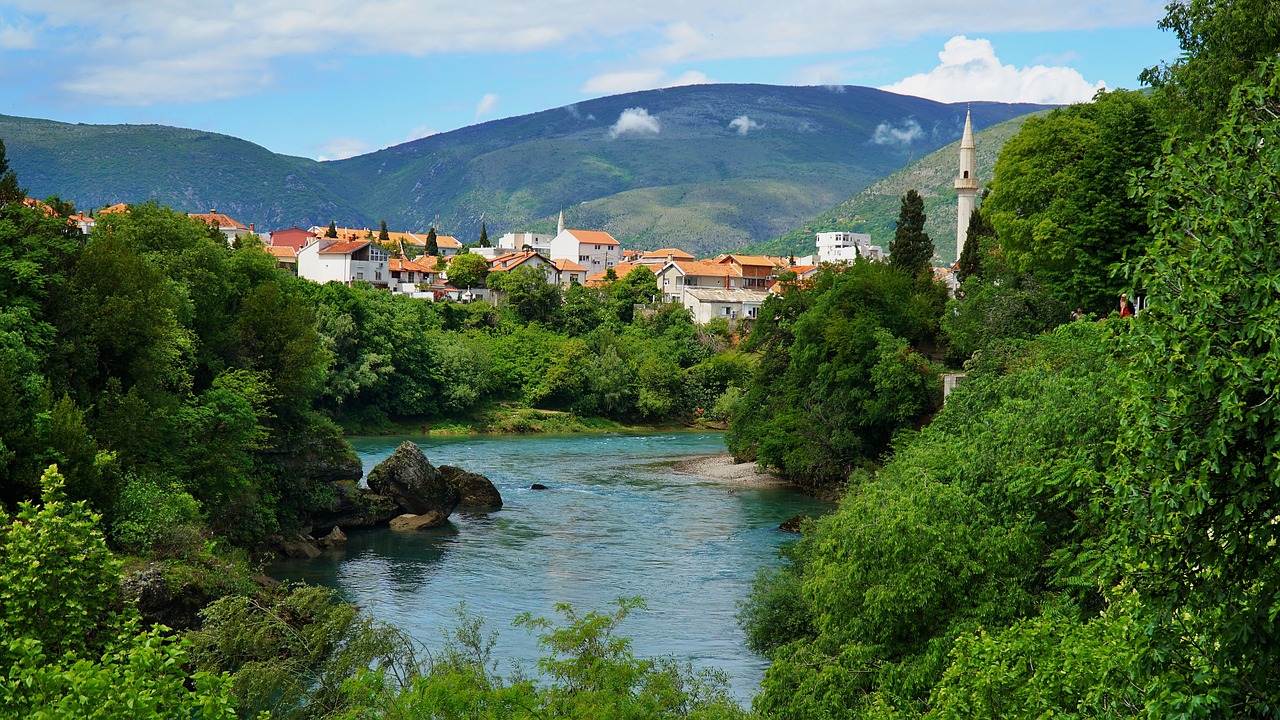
1125	309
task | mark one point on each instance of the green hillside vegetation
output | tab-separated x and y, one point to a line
875	209
697	182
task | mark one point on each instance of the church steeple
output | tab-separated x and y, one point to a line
966	183
560	225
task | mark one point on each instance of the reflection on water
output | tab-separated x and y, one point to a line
617	522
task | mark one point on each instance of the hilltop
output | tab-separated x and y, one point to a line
875	209
706	167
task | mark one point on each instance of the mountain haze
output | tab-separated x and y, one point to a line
705	167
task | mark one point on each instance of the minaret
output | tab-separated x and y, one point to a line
560	225
966	184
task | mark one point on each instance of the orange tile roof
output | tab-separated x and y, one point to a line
280	251
621	270
117	208
447	241
706	268
506	262
402	265
344	248
675	254
593	237
222	221
752	260
567	265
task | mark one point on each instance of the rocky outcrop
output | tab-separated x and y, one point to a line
477	492
335	538
160	602
793	524
426	521
413	482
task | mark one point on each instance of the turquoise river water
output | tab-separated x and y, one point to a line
616	522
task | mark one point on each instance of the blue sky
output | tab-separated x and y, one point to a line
333	78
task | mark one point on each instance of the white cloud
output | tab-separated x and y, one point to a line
339	148
420	132
17	38
743	124
887	133
626	81
139	51
969	70
635	121
486	105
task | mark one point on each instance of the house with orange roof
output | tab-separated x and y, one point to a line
675	276
757	272
524	258
569	272
345	261
620	271
229	226
286	257
594	250
664	256
408	275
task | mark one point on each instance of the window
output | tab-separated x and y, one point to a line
691	281
665	282
725	310
597	247
966	174
583	258
359	276
377	274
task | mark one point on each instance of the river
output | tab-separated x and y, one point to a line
616	522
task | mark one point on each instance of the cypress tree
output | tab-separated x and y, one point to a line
433	248
911	248
970	261
383	236
332	232
484	236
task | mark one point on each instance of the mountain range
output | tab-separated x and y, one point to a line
704	167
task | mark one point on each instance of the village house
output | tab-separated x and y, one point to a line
594	250
757	271
294	237
707	304
407	276
345	261
515	242
286	257
676	275
230	227
621	270
569	272
663	256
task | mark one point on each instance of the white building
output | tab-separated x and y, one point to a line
515	242
846	247
594	250
345	261
706	304
966	184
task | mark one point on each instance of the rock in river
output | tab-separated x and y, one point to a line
476	490
426	521
413	482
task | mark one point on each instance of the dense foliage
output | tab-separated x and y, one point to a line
840	372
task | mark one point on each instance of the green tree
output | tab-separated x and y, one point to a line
1223	43
384	238
526	291
911	248
639	287
1199	488
1060	200
484	236
970	260
332	232
468	270
10	192
432	245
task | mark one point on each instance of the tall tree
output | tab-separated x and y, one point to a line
468	270
9	190
484	236
970	261
911	248
432	246
332	232
383	236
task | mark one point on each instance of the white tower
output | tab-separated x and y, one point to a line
966	184
560	224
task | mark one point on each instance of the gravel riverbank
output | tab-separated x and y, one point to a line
722	467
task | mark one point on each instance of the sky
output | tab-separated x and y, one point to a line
329	79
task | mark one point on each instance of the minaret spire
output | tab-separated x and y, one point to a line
560	224
966	183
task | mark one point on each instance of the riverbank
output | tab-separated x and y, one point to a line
722	466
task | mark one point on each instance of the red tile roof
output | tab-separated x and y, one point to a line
402	265
621	270
749	260
506	262
280	251
675	254
222	221
567	265
706	268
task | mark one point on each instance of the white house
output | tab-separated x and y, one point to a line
677	275
515	242
705	304
594	250
569	272
845	247
345	261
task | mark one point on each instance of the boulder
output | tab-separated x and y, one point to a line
476	490
335	538
538	486
160	600
353	507
413	482
793	524
298	546
426	521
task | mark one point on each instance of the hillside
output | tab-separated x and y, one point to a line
710	167
875	209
